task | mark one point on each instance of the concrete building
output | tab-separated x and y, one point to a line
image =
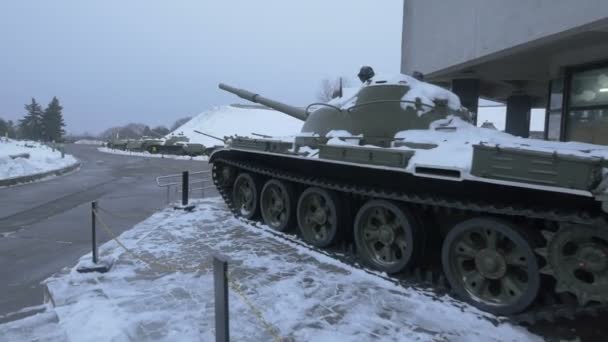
527	54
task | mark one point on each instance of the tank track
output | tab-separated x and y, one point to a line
549	308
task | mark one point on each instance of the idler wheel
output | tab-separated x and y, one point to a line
318	216
577	256
491	264
245	195
278	204
384	236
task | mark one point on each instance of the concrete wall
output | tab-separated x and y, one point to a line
439	34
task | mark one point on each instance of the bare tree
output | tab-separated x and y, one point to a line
179	122
330	89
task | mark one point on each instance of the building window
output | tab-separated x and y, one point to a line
587	118
554	110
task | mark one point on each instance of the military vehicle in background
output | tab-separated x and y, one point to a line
117	144
174	145
400	170
177	145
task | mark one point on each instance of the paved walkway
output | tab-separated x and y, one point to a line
302	295
45	226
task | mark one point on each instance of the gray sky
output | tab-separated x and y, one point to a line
116	61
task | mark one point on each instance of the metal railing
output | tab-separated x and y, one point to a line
194	178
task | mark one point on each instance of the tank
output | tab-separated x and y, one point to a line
176	145
399	172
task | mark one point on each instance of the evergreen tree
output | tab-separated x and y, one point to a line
12	130
52	121
3	128
31	124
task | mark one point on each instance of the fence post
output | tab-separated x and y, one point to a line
97	266
220	280
185	184
94	237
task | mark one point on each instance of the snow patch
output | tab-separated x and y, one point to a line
149	155
42	158
455	138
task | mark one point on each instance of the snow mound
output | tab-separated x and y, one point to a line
229	120
20	158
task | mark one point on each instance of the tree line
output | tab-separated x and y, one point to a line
37	124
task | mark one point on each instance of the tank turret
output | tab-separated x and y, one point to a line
377	111
493	212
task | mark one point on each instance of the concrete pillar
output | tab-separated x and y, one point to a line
518	115
468	91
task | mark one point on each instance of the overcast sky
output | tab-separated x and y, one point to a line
116	61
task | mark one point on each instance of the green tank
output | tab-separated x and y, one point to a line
398	171
117	144
176	145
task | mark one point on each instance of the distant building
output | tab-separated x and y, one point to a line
527	54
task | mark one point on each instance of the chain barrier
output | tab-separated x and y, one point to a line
124	217
232	283
151	263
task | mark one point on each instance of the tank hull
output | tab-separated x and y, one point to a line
436	204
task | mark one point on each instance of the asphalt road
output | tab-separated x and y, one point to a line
45	226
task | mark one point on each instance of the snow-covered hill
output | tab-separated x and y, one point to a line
23	158
230	120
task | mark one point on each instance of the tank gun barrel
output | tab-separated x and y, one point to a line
295	112
210	136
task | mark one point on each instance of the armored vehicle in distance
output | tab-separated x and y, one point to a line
399	169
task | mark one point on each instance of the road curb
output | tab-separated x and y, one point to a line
32	178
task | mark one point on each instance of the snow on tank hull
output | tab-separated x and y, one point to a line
430	204
504	219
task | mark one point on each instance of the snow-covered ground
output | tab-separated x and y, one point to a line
149	155
42	158
229	120
304	295
89	142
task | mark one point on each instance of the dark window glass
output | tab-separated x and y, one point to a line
557	94
589	88
588	125
554	126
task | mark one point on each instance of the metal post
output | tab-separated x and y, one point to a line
220	280
94	237
168	194
185	188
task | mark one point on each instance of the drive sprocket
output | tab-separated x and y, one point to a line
577	257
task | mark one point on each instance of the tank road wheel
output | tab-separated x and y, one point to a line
277	204
577	256
245	195
490	264
384	236
318	220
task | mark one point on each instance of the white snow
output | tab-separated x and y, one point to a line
42	158
229	120
426	92
455	146
149	155
304	295
89	142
